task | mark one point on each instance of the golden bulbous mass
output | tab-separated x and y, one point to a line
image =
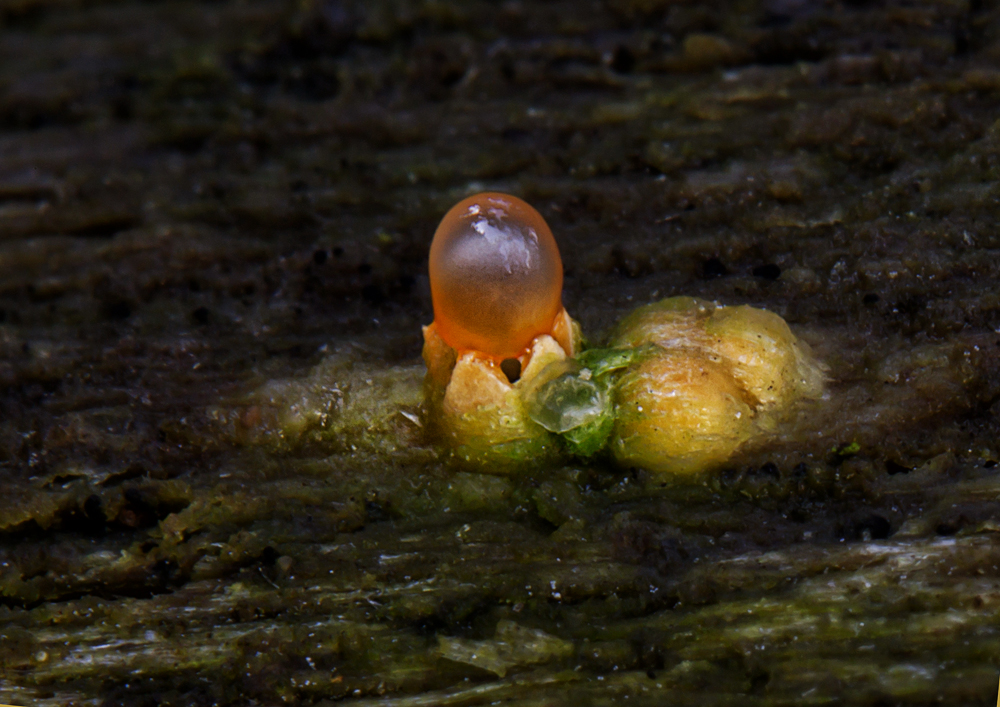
496	276
683	385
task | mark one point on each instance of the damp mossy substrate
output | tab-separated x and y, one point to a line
214	221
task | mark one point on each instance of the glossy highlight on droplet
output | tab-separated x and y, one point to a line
496	276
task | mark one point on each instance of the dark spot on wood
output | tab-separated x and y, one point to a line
117	310
896	468
713	268
623	60
874	527
768	271
268	556
373	294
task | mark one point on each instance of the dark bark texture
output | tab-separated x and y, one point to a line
214	223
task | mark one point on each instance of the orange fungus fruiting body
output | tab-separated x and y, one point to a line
496	276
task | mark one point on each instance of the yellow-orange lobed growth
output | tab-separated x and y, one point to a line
705	381
717	378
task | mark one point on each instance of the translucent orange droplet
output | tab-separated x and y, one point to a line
496	276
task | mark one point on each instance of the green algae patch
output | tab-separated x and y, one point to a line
340	403
570	400
513	646
507	457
